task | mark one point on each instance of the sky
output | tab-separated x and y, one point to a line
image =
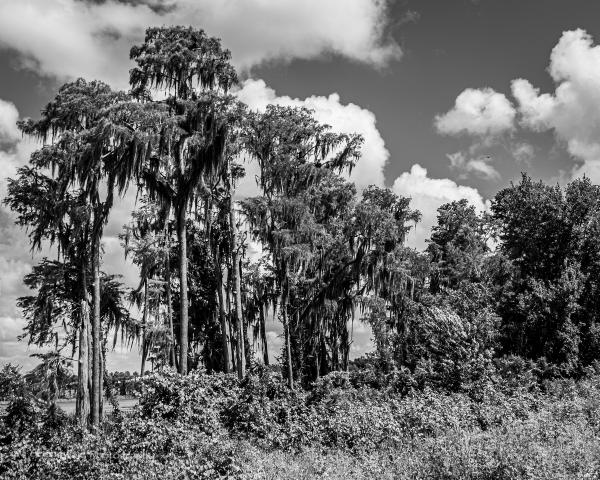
455	98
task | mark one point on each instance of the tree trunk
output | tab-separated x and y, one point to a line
83	394
144	322
96	393
83	364
318	360
102	373
173	361
287	339
263	334
235	270
183	292
223	320
248	349
144	356
288	348
300	337
230	325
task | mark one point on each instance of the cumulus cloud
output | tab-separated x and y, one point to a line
478	112
479	166
523	152
72	38
535	109
427	195
572	111
15	260
9	115
343	118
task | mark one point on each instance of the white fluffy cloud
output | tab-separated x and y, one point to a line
572	112
523	152
480	166
8	123
478	112
14	258
72	38
427	195
343	118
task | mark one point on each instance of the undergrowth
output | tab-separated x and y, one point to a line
212	426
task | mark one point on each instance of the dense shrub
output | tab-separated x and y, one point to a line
197	398
211	426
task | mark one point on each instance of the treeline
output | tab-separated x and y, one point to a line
512	289
520	280
53	379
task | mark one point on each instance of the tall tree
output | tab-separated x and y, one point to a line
195	71
53	212
294	152
94	147
458	245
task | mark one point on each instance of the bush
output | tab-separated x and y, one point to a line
212	426
198	398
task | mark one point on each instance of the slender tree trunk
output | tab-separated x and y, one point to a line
83	366
102	373
183	292
173	360
96	367
287	339
248	348
223	320
232	338
335	362
90	366
144	356
144	322
288	348
263	334
235	270
318	360
83	394
300	336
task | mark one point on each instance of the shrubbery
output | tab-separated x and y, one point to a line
211	426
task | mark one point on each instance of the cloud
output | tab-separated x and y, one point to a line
523	152
16	351
15	260
427	195
572	111
535	109
478	112
71	38
9	133
343	118
479	166
410	16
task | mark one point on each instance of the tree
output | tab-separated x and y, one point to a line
51	211
148	240
94	147
549	236
458	245
294	153
392	274
195	71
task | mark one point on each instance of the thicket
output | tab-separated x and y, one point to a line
213	426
